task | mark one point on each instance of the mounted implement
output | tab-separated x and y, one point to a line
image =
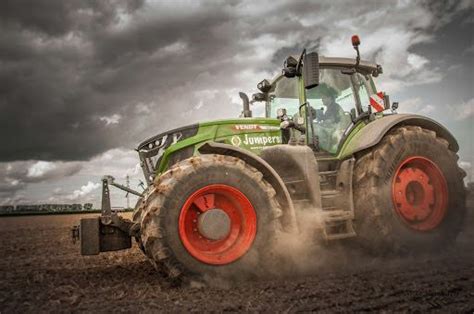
331	150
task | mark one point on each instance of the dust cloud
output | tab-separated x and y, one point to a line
306	252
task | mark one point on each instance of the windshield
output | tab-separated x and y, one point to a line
334	87
330	105
284	94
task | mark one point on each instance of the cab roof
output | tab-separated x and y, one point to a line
365	66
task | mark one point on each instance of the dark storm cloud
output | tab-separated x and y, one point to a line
68	66
80	77
62	77
445	10
56	18
46	104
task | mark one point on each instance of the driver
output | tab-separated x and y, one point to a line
327	120
334	112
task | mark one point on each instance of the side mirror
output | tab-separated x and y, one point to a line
290	62
311	70
289	67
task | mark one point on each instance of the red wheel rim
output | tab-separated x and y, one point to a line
242	224
420	193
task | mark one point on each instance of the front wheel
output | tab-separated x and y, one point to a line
409	193
210	215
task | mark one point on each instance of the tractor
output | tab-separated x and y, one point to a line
220	194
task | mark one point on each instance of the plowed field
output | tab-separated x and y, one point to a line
41	270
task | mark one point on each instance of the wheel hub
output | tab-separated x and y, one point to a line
415	194
217	224
214	224
419	193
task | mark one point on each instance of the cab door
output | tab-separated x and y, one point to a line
333	105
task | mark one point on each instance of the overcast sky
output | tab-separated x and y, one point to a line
83	82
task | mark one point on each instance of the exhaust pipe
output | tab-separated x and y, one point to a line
246	113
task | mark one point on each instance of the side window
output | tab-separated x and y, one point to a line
361	85
285	94
258	109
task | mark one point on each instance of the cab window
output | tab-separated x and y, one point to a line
364	90
284	94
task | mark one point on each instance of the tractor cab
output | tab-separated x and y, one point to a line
324	112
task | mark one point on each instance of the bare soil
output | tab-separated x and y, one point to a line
41	270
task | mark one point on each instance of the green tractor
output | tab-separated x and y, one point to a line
331	147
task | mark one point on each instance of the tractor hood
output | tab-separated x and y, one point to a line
212	130
160	151
248	133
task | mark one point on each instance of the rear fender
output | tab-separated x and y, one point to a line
372	134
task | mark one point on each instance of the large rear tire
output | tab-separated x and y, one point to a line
179	216
409	193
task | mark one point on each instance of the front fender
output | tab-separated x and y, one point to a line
372	133
269	174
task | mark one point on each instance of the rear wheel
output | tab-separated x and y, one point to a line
409	193
209	215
